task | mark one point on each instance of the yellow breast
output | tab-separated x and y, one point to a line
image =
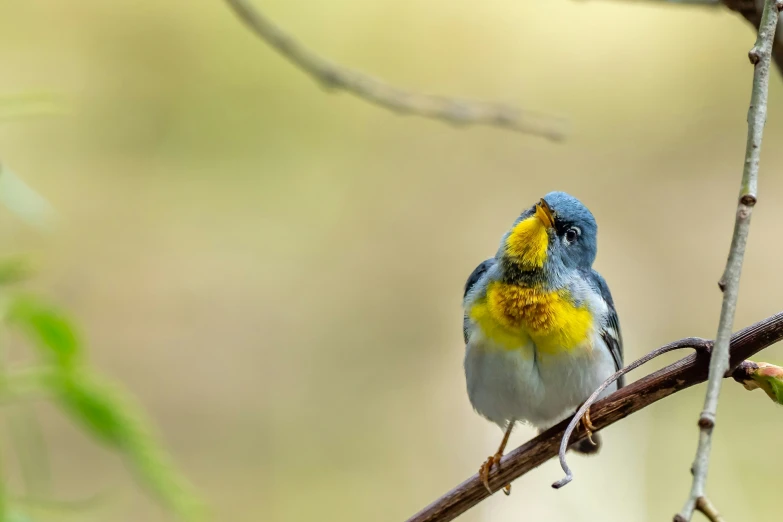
511	315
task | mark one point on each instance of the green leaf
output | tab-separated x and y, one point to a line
13	270
770	379
111	416
97	408
48	326
762	375
16	516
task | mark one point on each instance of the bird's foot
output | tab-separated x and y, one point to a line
485	468
588	426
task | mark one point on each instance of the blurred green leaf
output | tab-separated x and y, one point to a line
30	449
49	327
98	408
31	103
90	504
13	270
99	507
109	414
30	382
25	202
16	516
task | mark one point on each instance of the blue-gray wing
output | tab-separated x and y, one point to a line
610	332
474	278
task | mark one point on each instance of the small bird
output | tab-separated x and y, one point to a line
541	331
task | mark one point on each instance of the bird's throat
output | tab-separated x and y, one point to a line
526	245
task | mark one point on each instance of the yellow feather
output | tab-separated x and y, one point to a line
511	315
528	242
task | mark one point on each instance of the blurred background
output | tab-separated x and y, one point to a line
276	271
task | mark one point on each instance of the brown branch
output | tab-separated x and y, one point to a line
691	342
377	92
684	373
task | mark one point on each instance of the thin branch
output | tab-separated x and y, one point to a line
752	11
684	373
761	57
377	92
706	508
708	3
691	342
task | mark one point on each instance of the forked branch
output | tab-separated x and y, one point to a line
696	343
684	373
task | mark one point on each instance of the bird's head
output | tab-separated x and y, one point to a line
556	234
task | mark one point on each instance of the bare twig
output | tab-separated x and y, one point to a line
709	3
760	56
691	342
377	92
704	505
752	11
684	373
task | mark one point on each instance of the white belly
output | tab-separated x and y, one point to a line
524	385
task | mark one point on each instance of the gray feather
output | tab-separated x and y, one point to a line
611	331
474	278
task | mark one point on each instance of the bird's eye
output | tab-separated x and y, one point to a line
572	234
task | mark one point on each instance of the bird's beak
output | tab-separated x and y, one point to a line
545	214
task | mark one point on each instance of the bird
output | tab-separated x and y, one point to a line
540	326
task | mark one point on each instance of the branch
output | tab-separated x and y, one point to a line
691	342
684	373
377	92
752	11
707	3
760	56
704	505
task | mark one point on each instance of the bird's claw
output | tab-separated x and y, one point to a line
484	470
588	426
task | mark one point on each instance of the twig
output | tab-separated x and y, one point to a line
377	92
708	3
760	56
691	342
704	505
684	373
753	13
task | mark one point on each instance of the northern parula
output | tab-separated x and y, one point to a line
541	331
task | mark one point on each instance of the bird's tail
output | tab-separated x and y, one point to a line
586	447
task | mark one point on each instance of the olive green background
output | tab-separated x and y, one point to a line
276	271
